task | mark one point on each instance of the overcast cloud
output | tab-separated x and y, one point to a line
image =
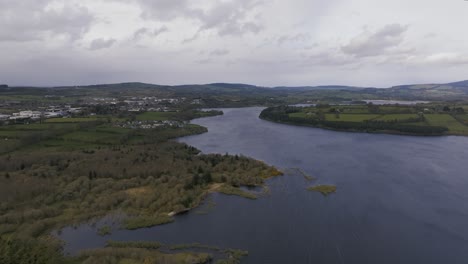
262	42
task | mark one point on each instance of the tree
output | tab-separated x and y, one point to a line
207	177
320	115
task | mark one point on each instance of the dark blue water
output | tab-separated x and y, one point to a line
400	199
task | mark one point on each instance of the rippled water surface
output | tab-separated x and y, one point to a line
400	199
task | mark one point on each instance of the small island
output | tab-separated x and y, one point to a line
323	189
434	119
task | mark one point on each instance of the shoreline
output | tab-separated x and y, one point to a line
386	132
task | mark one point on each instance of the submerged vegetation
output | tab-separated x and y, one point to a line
323	189
230	190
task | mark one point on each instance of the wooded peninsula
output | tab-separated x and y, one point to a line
71	170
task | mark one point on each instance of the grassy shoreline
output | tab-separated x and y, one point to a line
388	132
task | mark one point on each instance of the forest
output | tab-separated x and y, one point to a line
59	174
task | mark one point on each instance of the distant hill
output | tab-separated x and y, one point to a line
448	91
323	87
235	92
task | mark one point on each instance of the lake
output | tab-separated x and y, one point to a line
400	199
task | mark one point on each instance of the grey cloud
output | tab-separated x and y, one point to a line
159	31
204	61
165	10
148	32
333	59
293	38
229	18
374	44
101	43
219	52
226	18
139	33
31	20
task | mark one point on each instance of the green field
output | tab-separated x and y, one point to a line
397	117
354	110
34	127
350	117
448	121
301	114
156	116
72	120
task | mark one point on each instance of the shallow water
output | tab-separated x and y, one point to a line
400	199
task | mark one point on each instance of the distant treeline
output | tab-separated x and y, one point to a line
281	114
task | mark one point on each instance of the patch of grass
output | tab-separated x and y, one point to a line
134	244
448	121
38	126
156	116
398	117
105	231
146	221
323	189
354	110
129	255
231	190
273	172
301	114
72	120
207	207
234	256
192	246
350	117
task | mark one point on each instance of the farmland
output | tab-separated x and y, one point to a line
422	119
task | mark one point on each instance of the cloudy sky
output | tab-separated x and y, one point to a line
262	42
